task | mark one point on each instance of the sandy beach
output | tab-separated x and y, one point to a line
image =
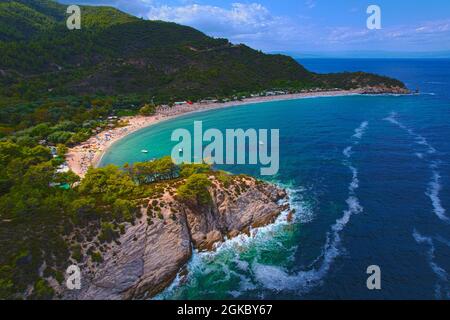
90	152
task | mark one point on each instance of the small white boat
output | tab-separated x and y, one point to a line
144	151
261	143
180	150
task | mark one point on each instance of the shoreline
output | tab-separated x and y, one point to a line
90	153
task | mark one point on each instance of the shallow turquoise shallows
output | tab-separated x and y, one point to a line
369	177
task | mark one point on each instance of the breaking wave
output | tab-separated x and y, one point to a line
434	186
239	260
359	132
433	192
278	278
231	259
441	275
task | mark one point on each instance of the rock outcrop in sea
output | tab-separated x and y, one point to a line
149	255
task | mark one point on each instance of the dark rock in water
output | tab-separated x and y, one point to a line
290	217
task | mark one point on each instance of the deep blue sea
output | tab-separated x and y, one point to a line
369	177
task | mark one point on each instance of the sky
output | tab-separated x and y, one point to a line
317	27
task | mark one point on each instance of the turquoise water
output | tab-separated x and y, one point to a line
369	177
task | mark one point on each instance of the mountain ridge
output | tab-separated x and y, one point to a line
58	88
116	53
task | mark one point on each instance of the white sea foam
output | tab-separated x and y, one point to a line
242	265
435	82
355	181
204	263
245	284
303	210
167	293
443	240
359	132
348	152
433	192
392	119
441	274
278	278
418	139
419	155
434	186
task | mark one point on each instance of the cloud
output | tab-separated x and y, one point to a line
442	26
427	35
239	19
257	26
310	3
250	23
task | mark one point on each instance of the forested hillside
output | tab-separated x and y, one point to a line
125	58
58	87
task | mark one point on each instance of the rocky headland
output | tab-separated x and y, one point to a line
150	253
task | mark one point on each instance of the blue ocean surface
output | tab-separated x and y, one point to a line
369	177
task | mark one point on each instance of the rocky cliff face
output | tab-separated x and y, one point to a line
150	254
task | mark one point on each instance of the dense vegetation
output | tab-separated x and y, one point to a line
131	62
43	224
59	87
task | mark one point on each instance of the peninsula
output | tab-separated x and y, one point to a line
68	95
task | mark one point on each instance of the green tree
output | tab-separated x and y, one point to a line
108	232
41	131
78	137
9	151
124	210
37	155
83	209
187	170
60	137
42	291
154	171
67	177
39	176
148	110
107	184
195	189
61	150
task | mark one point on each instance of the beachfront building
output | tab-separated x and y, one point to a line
209	100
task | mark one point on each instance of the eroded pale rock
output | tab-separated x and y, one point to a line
150	256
